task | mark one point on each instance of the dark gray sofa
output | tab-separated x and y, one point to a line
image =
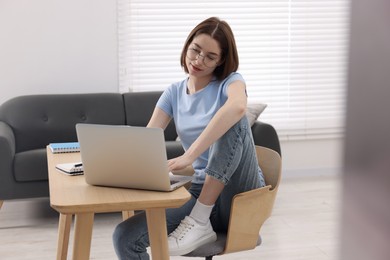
29	123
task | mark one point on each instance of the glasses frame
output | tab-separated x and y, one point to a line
199	54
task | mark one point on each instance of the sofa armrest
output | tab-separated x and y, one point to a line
265	135
7	141
7	153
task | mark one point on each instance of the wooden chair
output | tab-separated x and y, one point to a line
249	211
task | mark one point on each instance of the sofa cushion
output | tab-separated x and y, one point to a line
38	120
174	149
31	165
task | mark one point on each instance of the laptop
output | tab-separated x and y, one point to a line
126	157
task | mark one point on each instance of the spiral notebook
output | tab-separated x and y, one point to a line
75	168
68	147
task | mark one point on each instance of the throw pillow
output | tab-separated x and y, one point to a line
253	111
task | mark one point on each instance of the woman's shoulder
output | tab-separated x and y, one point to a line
174	89
177	86
234	76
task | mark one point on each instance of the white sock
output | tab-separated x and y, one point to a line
201	213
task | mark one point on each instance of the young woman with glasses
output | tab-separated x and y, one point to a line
208	108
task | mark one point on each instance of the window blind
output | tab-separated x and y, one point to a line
293	54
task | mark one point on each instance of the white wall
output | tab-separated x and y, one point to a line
57	46
306	157
70	46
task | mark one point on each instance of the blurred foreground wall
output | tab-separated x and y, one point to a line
365	224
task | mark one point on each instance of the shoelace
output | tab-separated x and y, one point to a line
182	229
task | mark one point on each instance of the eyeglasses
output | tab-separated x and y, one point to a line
209	61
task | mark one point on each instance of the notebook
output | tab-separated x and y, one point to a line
71	169
126	157
68	147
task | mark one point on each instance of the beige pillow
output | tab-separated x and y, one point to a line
253	111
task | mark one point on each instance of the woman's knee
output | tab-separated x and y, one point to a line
131	238
120	234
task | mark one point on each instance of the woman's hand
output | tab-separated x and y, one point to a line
179	163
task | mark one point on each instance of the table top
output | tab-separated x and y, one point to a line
71	194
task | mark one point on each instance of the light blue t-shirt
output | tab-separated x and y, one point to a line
192	113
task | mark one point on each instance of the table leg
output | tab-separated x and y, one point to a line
63	236
127	214
158	237
1	203
82	236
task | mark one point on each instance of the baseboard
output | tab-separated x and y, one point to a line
311	172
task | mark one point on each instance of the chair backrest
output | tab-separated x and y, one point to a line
251	209
271	165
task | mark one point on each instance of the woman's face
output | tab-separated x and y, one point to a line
203	56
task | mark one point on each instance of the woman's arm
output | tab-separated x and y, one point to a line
159	119
229	114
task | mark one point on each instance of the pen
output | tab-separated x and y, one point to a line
78	165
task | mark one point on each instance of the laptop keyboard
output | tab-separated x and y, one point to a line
173	182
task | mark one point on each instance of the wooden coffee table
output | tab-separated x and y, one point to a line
71	195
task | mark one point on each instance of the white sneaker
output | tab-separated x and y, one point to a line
190	235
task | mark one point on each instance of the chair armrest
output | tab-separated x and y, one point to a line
255	207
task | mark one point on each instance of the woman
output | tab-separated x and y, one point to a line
208	108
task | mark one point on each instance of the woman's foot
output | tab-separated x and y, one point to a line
190	235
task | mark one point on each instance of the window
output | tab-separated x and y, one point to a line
293	54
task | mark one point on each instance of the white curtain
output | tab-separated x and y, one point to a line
293	55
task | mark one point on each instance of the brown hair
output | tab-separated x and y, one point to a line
220	31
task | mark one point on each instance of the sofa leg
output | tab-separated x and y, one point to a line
127	214
1	203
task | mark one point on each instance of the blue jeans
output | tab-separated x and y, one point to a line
232	160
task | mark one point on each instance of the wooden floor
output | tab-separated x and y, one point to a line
304	226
